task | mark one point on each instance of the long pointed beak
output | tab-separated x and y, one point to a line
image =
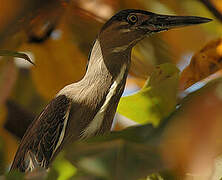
164	22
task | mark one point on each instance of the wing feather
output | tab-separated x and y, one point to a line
42	137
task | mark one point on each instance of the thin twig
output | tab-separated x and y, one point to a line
212	9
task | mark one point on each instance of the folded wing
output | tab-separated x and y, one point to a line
44	136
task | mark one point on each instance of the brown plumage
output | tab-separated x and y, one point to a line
86	108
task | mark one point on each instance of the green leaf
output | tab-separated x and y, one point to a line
156	100
116	159
15	54
61	169
14	175
154	177
129	154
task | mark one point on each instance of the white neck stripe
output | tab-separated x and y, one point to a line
96	123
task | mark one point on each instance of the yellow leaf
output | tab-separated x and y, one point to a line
58	62
156	100
64	168
204	63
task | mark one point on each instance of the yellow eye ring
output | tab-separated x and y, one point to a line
132	18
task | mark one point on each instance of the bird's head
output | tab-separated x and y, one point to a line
127	27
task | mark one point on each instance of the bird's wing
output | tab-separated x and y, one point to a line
43	136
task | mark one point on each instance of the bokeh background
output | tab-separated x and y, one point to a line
179	106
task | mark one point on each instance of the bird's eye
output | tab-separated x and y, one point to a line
132	18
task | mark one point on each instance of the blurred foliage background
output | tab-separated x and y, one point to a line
175	75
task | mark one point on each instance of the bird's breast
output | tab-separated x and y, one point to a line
92	113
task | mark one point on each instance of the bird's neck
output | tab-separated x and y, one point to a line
104	62
104	83
105	66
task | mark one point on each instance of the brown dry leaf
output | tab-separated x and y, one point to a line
204	63
58	62
193	137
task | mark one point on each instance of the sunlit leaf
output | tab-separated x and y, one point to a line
64	169
204	63
156	99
